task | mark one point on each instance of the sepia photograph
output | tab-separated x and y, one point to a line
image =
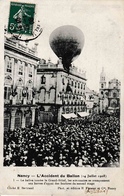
63	89
52	116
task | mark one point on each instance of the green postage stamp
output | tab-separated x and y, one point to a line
21	18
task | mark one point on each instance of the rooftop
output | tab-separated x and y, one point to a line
44	65
17	45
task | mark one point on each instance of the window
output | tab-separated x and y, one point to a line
106	93
52	95
67	110
19	82
75	110
9	67
63	109
72	82
43	79
29	94
63	103
101	85
20	70
42	95
69	81
114	95
113	103
7	92
63	81
19	95
78	85
6	121
75	84
30	71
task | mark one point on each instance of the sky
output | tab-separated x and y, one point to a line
102	25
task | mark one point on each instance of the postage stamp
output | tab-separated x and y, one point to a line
21	18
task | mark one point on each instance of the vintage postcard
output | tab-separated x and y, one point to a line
61	111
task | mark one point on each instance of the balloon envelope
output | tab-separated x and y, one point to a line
67	42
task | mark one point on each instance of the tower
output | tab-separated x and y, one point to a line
102	79
102	88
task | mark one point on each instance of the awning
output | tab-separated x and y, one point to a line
83	114
70	115
111	108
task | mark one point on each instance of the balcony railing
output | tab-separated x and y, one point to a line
6	101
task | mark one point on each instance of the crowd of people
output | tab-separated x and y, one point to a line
94	142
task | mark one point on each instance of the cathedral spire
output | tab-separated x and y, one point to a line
103	79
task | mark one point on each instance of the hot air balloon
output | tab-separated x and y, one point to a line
67	42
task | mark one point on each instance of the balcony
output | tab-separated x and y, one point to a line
7	101
19	102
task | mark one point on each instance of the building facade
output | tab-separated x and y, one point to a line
37	91
109	94
59	92
20	70
92	101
